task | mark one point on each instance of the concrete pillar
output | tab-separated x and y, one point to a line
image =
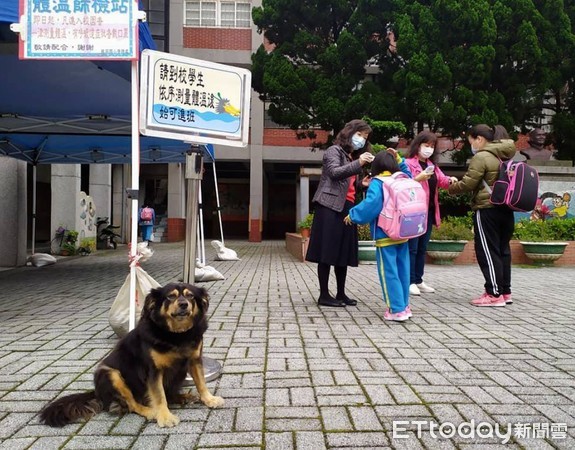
118	209
65	190
176	203
101	189
303	201
126	219
256	193
13	229
256	170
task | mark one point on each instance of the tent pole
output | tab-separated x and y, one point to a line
218	202
34	168
135	187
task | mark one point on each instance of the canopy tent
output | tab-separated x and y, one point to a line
89	149
73	111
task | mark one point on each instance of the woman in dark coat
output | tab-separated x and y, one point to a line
332	242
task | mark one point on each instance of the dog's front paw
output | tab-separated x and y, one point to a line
212	401
167	420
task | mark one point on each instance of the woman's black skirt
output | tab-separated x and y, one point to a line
332	241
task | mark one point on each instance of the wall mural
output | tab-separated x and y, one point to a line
87	222
550	205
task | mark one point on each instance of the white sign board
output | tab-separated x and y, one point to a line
193	100
78	29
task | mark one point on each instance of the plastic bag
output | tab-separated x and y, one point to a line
41	259
152	237
206	273
223	253
119	315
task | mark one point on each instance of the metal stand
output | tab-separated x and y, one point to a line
194	169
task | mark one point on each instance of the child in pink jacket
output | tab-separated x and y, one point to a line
420	159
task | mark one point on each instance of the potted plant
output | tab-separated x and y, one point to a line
69	243
87	246
305	225
448	241
543	240
366	245
67	249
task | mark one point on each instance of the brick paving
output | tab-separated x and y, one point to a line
296	376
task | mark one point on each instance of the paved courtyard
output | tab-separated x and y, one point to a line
296	376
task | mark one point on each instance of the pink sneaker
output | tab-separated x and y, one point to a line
508	299
408	311
488	300
396	317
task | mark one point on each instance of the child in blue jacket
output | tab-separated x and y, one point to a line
393	264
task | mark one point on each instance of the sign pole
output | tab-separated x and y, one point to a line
194	166
134	192
194	173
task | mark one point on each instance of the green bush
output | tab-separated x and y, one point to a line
454	228
545	230
464	199
363	233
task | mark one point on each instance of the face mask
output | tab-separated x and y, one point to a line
425	151
357	141
474	150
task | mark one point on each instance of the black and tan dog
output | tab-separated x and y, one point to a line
146	369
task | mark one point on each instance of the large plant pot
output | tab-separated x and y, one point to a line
367	252
444	252
544	253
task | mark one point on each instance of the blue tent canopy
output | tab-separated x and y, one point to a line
9	11
93	149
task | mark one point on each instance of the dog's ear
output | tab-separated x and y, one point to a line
152	298
202	295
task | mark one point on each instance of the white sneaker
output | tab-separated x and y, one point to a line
414	290
425	288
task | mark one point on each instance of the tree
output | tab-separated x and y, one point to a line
559	22
314	74
447	49
455	63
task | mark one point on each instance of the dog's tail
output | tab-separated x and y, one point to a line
71	408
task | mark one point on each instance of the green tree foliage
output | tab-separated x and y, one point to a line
313	76
455	63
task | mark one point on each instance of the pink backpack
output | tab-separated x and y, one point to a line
147	214
405	207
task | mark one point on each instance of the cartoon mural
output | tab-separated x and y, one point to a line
551	205
86	222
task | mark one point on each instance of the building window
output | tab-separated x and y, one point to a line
156	13
218	14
